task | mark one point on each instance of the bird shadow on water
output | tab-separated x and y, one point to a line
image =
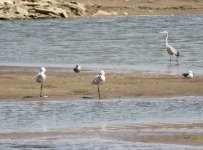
171	68
173	65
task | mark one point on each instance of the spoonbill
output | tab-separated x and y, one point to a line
171	51
77	68
99	80
188	74
40	78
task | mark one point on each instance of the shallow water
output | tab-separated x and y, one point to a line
90	144
38	115
92	124
115	44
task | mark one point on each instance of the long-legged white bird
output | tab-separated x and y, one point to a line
99	80
77	69
171	51
40	78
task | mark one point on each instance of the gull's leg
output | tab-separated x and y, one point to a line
41	90
177	60
99	92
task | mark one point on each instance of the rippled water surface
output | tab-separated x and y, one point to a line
88	122
115	44
35	115
121	44
90	144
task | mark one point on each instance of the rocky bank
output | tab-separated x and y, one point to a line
27	9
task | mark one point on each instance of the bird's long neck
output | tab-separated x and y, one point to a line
167	39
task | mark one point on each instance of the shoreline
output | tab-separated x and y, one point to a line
19	84
157	133
45	9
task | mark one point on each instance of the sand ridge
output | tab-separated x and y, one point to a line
18	85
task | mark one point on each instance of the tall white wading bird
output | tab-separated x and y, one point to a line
77	69
40	78
171	51
99	80
188	75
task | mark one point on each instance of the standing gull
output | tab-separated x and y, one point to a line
77	68
40	78
98	80
171	51
188	75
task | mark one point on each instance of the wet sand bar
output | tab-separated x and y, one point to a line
19	83
182	134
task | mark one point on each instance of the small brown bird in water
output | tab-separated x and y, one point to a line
77	68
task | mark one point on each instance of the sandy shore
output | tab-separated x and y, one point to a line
164	133
145	7
17	84
20	83
46	9
182	134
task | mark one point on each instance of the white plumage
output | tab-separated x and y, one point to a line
99	80
77	68
40	78
171	51
188	75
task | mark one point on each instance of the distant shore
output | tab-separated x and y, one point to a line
46	9
19	83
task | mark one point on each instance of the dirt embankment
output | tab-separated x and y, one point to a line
48	9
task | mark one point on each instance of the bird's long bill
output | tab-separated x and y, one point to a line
161	32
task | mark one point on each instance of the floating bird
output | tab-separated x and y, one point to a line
188	75
77	68
40	78
171	51
98	80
